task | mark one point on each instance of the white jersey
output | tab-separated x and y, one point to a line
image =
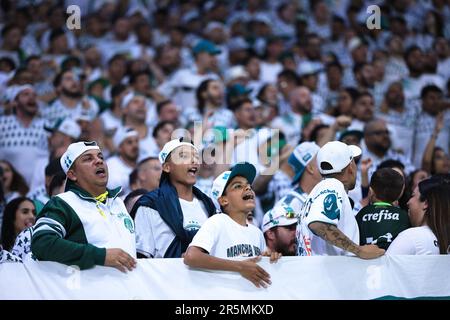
153	235
328	203
223	237
414	241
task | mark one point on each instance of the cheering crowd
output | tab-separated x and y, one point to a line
210	130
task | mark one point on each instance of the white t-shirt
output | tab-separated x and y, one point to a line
328	203
414	241
153	235
119	174
223	237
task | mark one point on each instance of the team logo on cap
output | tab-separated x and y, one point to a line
164	156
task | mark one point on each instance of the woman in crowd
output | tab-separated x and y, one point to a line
429	214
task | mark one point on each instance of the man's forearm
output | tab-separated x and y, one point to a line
333	235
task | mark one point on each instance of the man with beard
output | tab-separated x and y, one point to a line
327	224
88	224
71	102
279	226
126	141
22	135
377	146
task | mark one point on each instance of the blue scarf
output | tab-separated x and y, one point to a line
165	201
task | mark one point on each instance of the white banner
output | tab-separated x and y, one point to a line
292	278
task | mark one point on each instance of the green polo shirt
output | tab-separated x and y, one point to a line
380	223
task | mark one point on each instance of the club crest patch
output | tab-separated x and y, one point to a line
330	207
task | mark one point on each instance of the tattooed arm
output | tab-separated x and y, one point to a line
331	234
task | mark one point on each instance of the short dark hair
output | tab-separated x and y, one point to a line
8	61
53	167
56	33
8	28
9	217
387	184
115	57
30	58
410	50
361	94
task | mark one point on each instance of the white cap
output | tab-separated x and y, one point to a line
123	133
67	126
244	169
334	156
172	145
279	216
74	151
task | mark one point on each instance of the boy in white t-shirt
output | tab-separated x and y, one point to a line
227	235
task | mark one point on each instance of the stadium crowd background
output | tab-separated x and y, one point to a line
135	71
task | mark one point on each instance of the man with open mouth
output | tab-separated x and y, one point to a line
168	218
88	224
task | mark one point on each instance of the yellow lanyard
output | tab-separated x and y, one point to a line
101	199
